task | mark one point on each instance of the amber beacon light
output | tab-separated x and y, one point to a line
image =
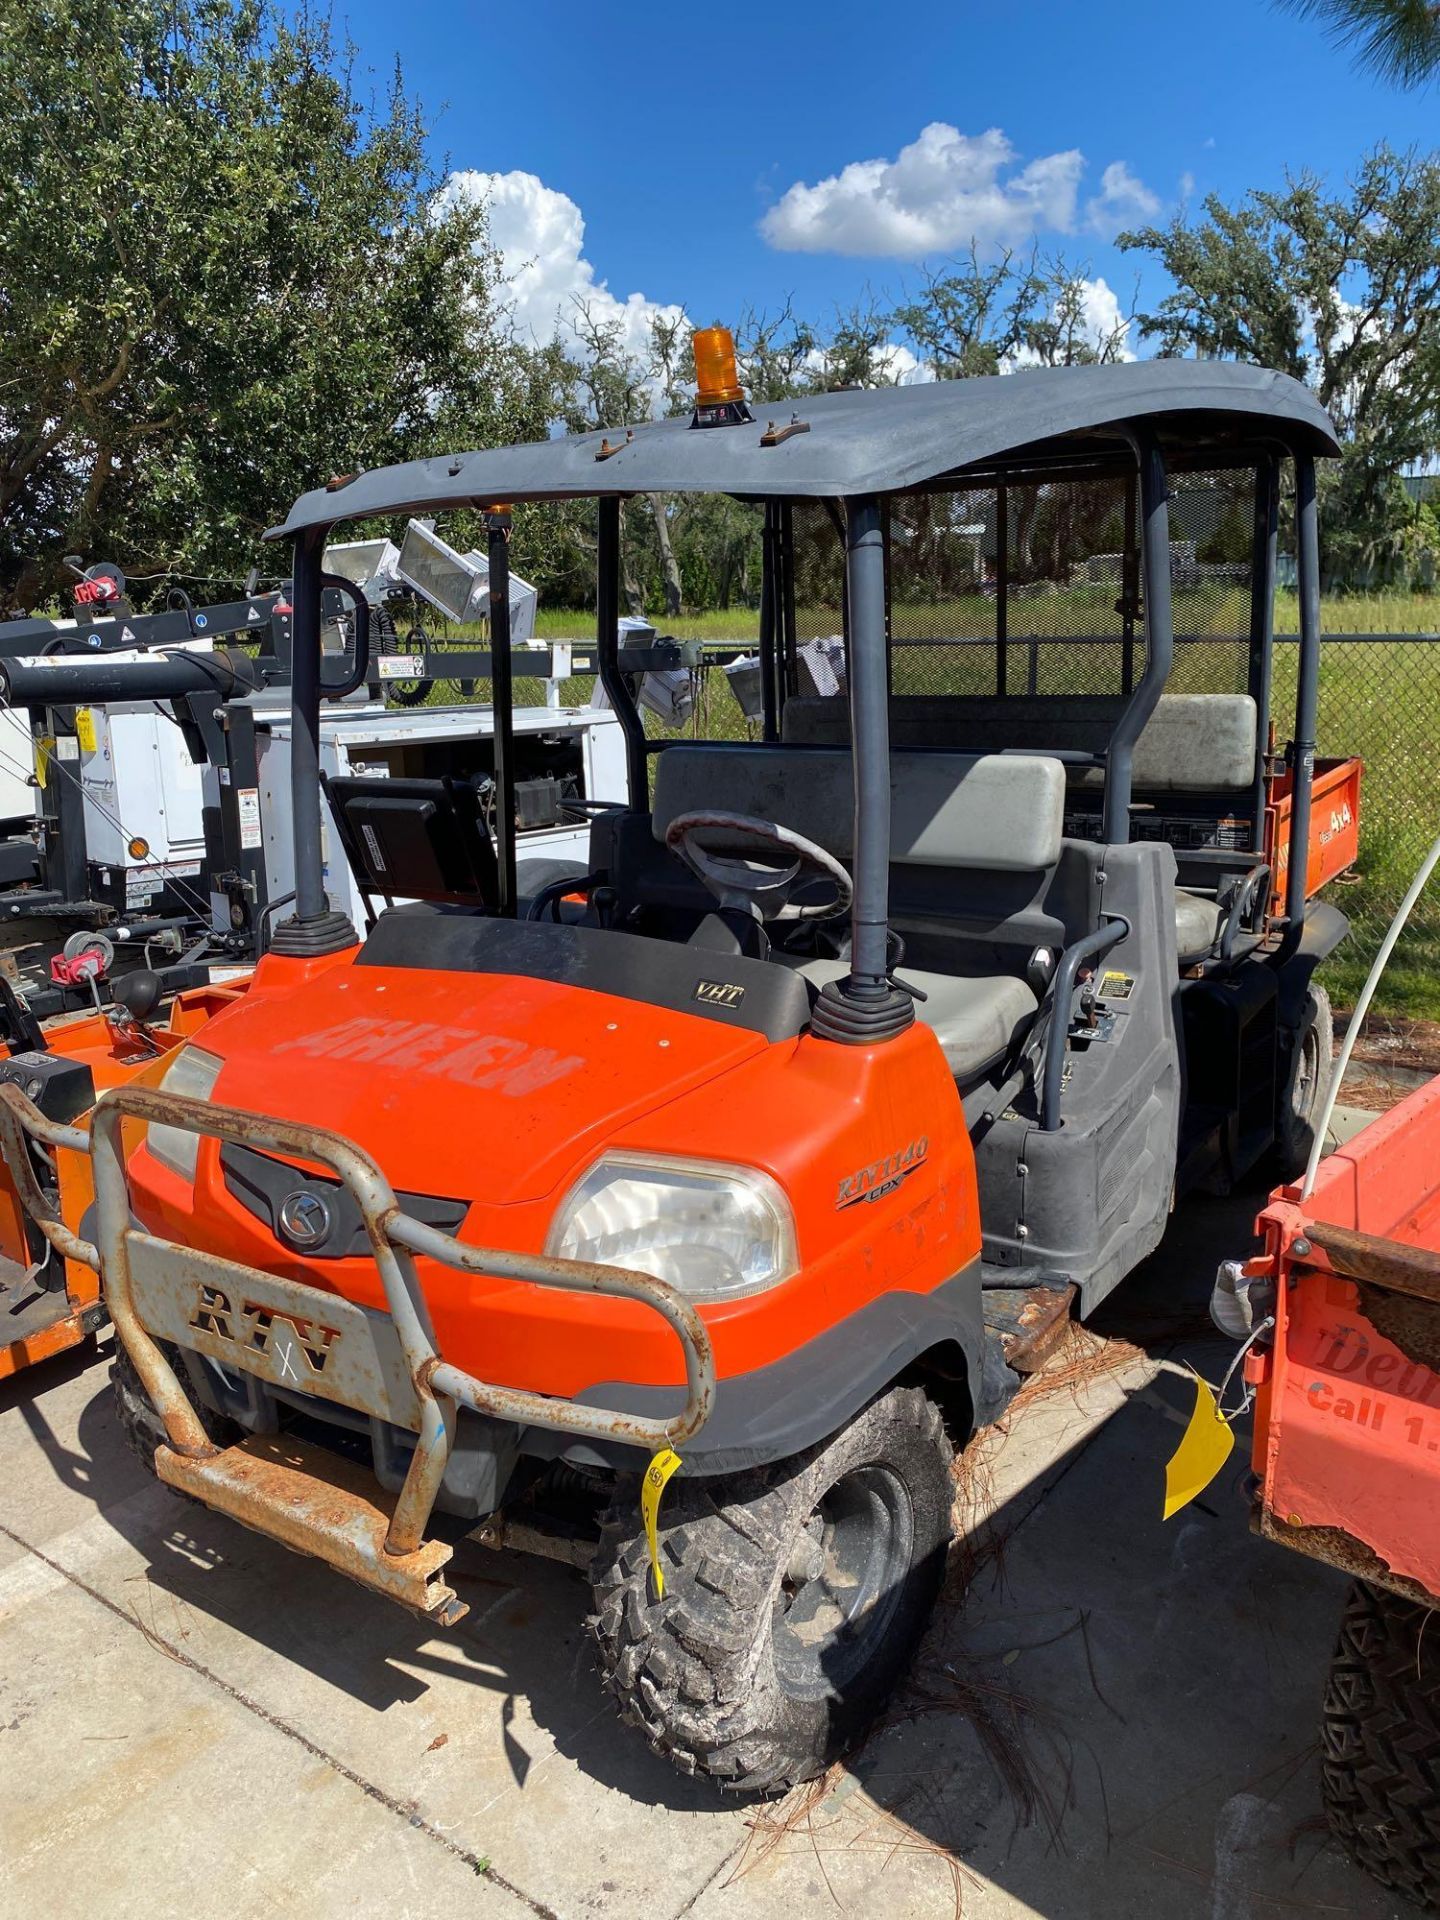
719	398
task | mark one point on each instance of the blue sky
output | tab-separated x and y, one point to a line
695	157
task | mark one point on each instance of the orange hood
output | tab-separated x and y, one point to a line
481	1087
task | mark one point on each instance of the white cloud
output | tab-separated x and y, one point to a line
539	234
901	366
946	190
1122	200
942	191
1103	318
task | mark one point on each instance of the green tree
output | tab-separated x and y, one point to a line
1399	40
224	275
1342	290
684	550
982	315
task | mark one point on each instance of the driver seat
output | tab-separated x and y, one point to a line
966	817
976	1020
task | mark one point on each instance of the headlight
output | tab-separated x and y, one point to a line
192	1072
713	1231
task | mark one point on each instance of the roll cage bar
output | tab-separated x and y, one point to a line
868	992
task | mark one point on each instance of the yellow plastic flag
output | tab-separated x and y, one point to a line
1202	1452
652	1486
44	747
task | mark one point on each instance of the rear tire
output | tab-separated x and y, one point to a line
1380	1742
795	1596
1305	1084
142	1426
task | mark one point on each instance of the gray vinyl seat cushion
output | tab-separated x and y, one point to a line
1197	925
975	1020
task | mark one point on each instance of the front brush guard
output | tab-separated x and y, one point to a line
387	1365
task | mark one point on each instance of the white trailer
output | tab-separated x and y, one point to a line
584	743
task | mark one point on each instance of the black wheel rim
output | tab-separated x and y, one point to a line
846	1574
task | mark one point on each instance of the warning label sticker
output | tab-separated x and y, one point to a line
247	800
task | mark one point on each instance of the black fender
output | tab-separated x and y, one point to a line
1325	929
779	1410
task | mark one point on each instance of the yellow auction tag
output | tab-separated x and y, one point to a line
85	729
665	1463
44	747
1203	1450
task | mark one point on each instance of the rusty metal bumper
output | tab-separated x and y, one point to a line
385	1365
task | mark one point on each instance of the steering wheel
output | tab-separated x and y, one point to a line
753	883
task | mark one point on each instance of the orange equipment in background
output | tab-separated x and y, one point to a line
1347	1430
48	1305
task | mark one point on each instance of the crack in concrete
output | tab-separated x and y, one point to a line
478	1865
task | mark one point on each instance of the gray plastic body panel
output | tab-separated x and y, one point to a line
1090	1200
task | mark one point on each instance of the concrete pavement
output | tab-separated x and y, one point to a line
1118	1720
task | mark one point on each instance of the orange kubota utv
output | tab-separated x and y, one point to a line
756	1154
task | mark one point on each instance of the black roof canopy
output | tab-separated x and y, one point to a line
857	442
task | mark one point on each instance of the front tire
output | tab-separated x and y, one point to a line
1380	1742
795	1596
138	1420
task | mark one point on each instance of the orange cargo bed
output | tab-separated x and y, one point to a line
1334	824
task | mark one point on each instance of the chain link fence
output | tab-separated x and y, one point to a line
1033	593
1380	700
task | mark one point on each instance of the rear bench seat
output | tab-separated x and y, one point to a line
972	815
1193	743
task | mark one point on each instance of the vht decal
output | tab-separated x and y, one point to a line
882	1176
252	1328
718	993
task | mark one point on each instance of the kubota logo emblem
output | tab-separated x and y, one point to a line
304	1218
286	1339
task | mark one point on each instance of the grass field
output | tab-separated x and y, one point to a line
1379	698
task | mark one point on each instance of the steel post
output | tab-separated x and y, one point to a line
311	902
870	737
1159	639
1307	690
